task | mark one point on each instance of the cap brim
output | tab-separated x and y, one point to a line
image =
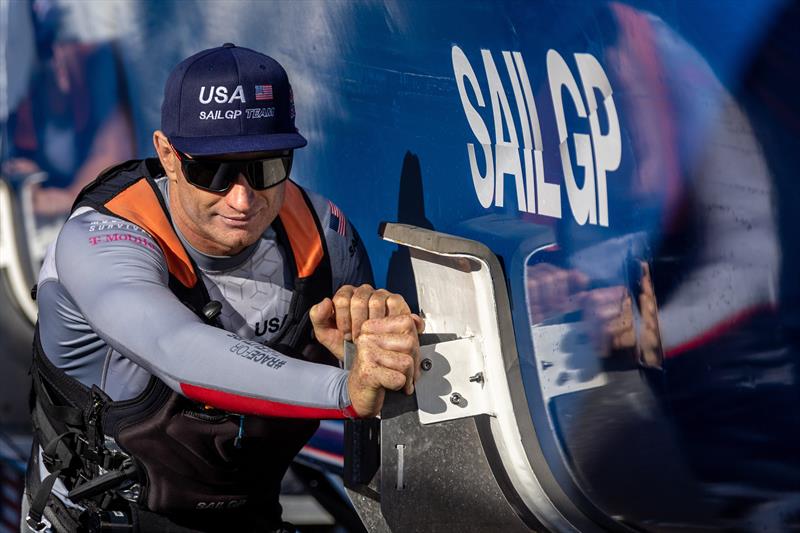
236	144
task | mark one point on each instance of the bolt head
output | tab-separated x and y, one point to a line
426	364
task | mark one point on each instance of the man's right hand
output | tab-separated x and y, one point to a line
387	357
339	319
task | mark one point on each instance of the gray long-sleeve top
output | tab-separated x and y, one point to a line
107	317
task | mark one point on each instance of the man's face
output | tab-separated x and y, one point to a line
220	223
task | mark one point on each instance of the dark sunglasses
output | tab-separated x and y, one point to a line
217	175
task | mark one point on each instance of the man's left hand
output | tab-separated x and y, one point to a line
339	319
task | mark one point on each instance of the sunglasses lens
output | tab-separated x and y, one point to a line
217	176
267	173
201	173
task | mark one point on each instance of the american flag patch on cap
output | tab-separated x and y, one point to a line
263	92
337	221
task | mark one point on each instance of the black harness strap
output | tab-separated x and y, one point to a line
307	290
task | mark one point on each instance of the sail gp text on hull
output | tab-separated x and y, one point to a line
598	153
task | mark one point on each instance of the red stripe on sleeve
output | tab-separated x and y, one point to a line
245	405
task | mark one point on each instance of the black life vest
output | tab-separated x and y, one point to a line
201	467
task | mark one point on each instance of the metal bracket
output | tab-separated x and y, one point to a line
452	382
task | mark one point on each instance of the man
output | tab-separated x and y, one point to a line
173	371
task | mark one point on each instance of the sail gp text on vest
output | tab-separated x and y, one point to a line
598	153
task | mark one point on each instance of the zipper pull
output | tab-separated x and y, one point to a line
237	442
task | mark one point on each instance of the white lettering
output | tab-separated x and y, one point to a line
507	152
238	94
202	91
218	114
220	95
581	199
548	195
484	183
260	112
597	152
608	147
527	153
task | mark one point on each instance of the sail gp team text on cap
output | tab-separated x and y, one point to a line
219	95
227	100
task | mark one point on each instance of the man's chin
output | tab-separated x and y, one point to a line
237	239
234	236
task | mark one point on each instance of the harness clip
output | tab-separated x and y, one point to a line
37	526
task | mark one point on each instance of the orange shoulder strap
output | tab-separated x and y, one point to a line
139	204
301	229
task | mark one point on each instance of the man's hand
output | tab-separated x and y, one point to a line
609	312
610	315
387	357
342	318
651	353
553	291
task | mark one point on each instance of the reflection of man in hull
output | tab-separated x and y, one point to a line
162	400
607	311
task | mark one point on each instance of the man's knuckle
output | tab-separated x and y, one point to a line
367	338
364	339
407	323
364	291
407	343
360	299
345	290
397	380
396	300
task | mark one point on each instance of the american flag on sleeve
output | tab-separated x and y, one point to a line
337	221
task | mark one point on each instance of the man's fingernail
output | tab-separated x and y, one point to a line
348	337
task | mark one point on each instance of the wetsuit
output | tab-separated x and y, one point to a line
108	317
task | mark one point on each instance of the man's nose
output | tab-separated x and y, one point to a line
240	196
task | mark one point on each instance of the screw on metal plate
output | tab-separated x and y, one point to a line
477	378
426	364
456	398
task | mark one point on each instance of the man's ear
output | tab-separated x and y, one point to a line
165	154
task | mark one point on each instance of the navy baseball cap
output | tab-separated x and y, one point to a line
228	100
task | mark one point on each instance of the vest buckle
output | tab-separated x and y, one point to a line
37	526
